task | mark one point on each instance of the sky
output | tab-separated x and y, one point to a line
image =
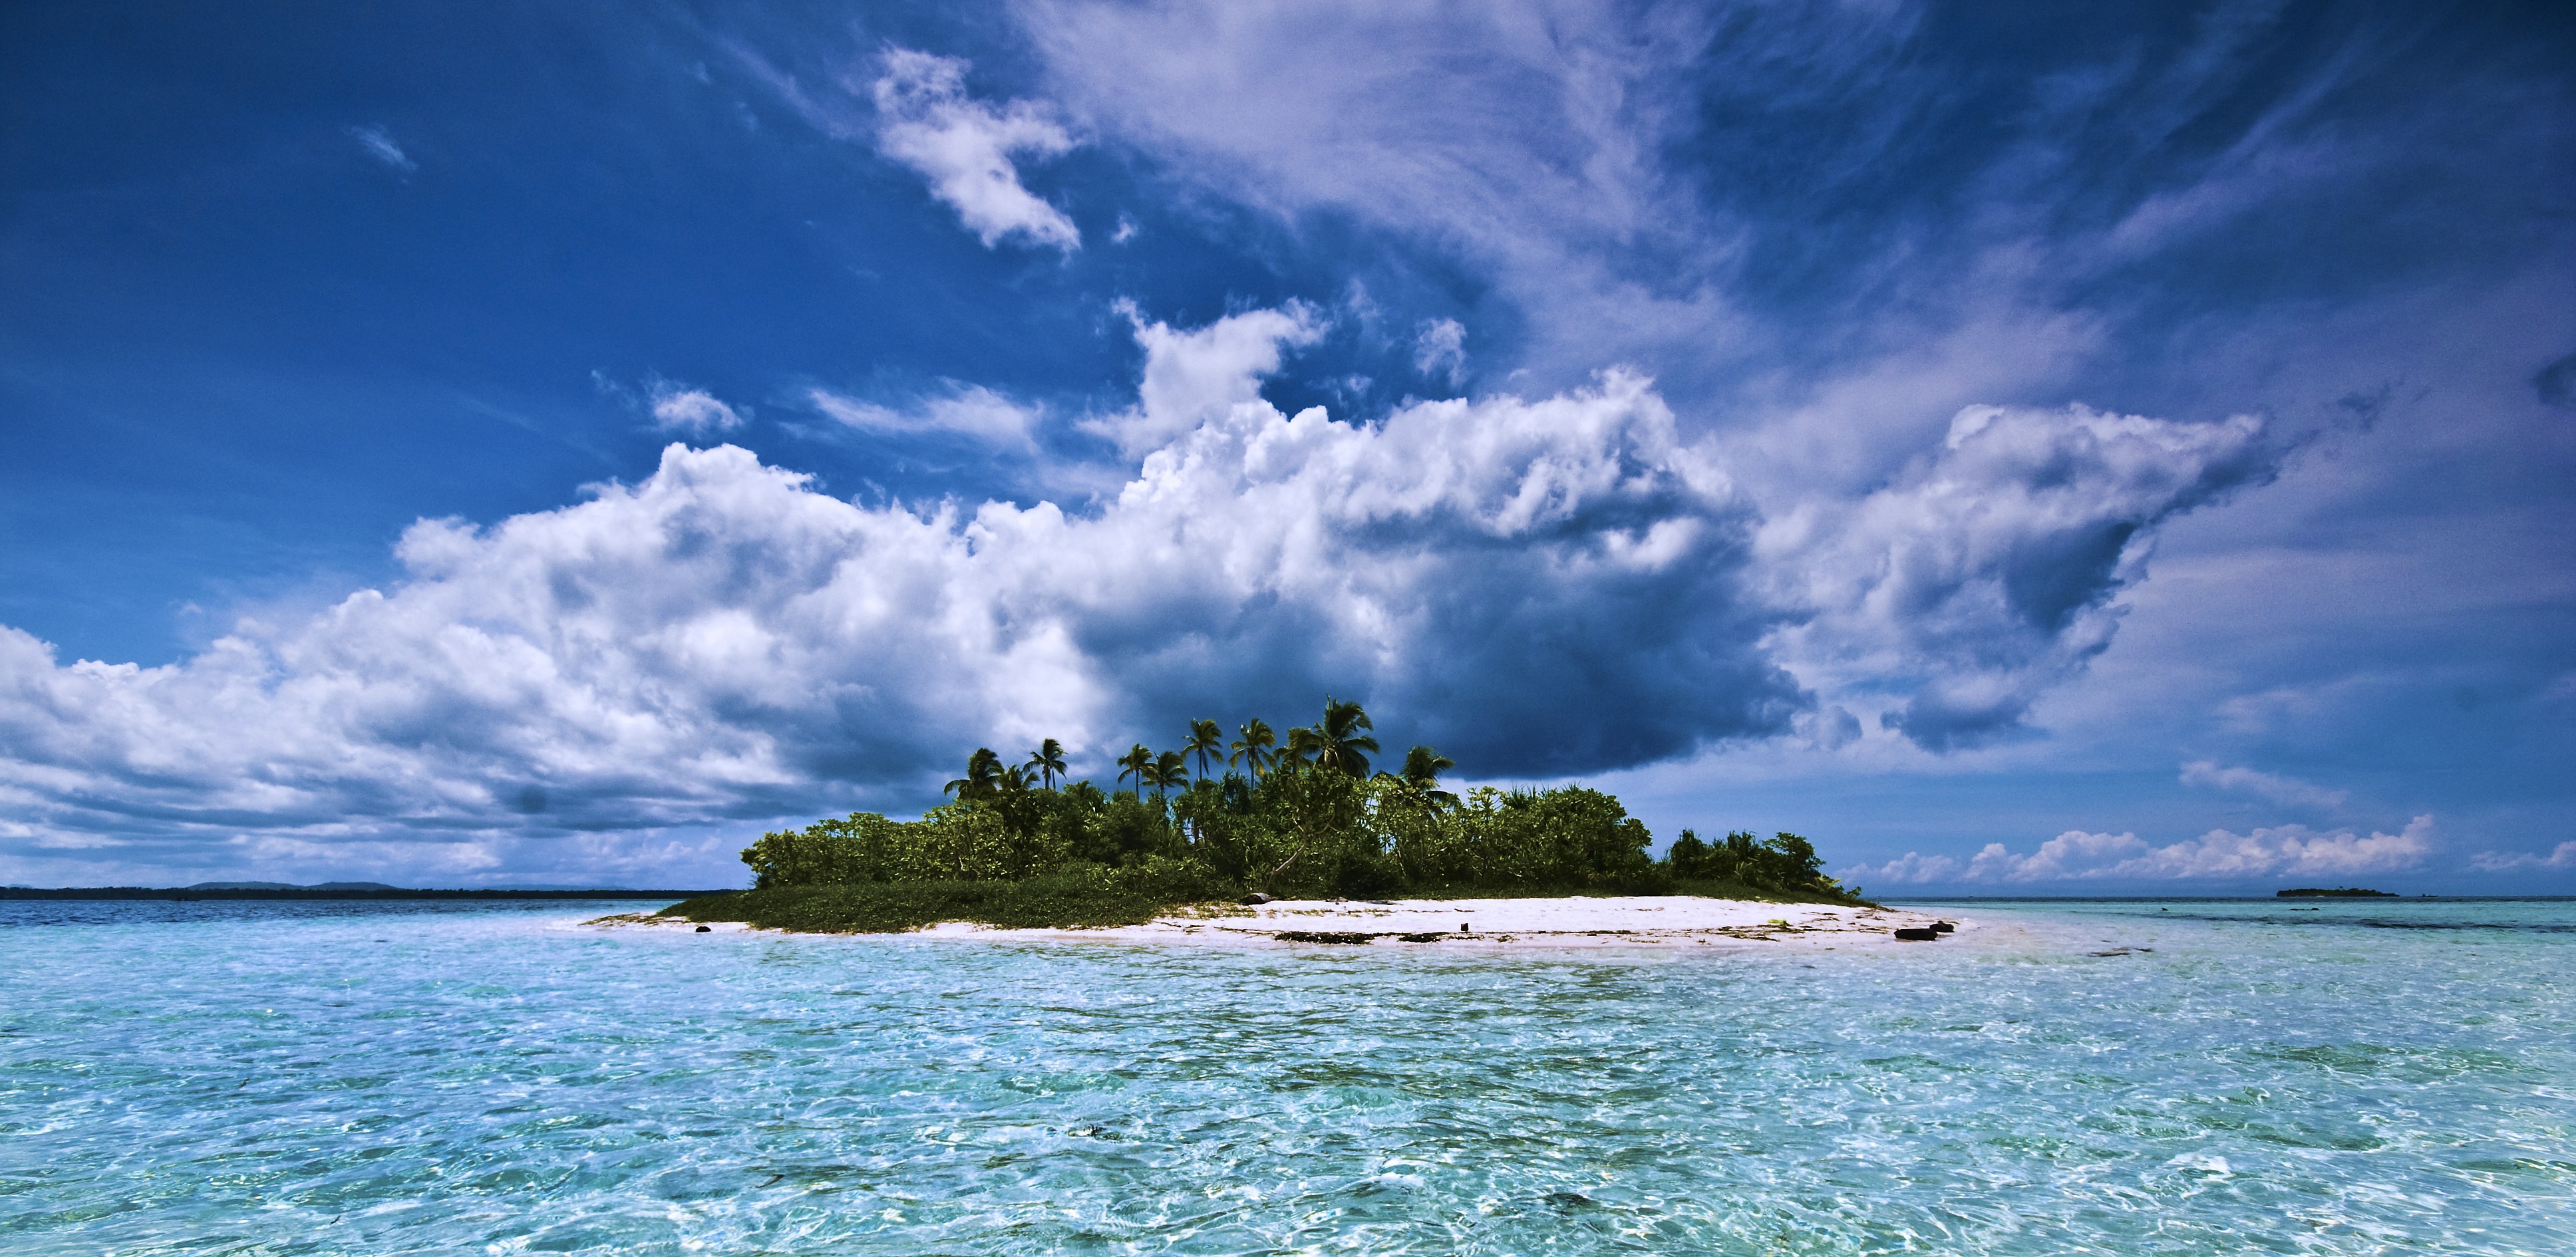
2126	451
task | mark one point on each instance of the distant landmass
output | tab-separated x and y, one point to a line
2348	892
330	890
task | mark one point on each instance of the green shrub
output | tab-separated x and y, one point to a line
1081	896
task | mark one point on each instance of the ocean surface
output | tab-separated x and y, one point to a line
2317	1077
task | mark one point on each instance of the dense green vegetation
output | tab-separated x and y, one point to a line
1083	896
1301	819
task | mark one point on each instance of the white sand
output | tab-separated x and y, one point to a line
1630	921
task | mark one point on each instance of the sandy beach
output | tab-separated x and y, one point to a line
1631	921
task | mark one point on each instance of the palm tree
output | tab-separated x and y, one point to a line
1254	748
1206	739
1137	763
1169	770
1337	741
1048	760
1300	749
983	776
1422	769
1015	780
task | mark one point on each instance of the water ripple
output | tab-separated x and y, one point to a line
260	1078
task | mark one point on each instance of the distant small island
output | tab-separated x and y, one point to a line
2348	892
1295	817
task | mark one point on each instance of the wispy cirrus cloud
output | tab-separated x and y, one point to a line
2262	785
964	410
1526	137
378	143
2563	856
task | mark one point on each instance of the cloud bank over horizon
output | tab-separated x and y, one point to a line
2219	856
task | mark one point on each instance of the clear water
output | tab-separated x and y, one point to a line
322	1078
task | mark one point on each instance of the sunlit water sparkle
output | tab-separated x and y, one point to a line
345	1078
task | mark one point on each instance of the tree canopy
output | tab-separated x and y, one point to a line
1306	819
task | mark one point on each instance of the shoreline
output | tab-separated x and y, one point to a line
1655	921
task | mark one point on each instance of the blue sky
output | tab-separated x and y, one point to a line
2028	453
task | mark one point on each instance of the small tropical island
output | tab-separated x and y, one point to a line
2348	892
1218	826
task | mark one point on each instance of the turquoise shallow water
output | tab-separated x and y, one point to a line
328	1078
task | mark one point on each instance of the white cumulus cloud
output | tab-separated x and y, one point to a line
1440	350
721	641
2219	855
692	411
964	148
1198	375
